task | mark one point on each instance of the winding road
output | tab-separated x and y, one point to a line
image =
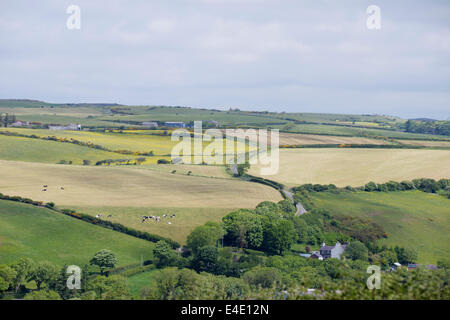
300	209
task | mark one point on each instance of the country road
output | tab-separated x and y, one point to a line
300	209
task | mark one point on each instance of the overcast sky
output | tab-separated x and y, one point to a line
278	55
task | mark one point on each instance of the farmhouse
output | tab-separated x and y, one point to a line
150	124
19	124
175	124
332	251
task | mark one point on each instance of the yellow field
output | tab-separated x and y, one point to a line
160	145
356	167
127	187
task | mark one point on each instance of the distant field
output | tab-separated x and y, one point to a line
37	150
358	166
445	144
160	145
354	132
121	186
41	234
412	219
185	220
301	139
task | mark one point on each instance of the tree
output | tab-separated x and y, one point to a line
206	259
45	274
7	276
371	186
23	268
164	253
109	288
104	259
301	228
406	255
242	168
279	235
206	235
357	251
264	277
42	295
244	228
287	207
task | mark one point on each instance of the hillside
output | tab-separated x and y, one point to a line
42	234
411	218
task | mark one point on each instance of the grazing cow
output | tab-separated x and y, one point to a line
62	188
165	216
44	186
98	216
109	216
44	189
169	222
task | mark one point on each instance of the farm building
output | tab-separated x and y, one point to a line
68	127
150	124
20	124
332	251
175	124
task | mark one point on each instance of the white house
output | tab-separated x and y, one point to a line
332	251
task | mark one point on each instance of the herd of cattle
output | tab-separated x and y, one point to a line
157	218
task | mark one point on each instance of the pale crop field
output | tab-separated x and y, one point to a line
127	187
301	139
355	167
211	171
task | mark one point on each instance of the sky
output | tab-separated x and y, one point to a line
275	55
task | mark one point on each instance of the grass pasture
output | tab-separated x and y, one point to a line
37	150
139	281
185	220
355	167
42	234
412	218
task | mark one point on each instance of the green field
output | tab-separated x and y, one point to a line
42	234
180	226
37	150
411	218
141	280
